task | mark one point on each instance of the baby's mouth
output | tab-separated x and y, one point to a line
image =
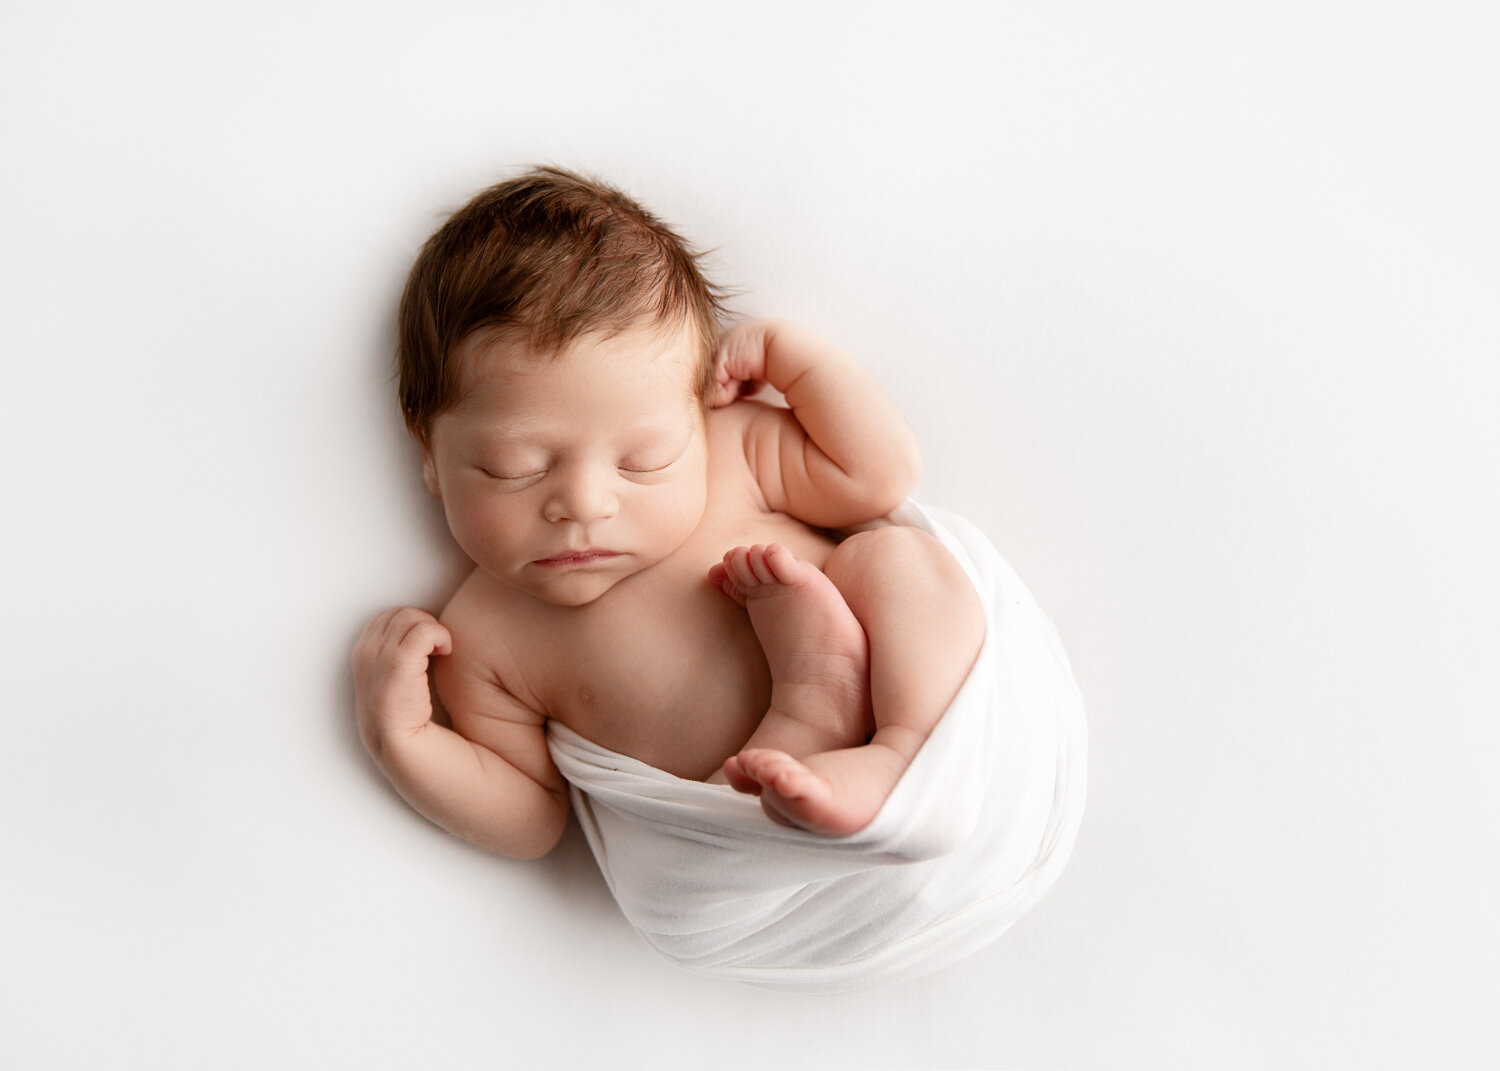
575	557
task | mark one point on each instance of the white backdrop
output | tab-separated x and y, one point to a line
1194	311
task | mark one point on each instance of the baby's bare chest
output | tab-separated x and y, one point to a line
665	668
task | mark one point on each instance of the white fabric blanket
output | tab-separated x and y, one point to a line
975	832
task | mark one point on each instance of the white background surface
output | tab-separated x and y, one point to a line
1194	311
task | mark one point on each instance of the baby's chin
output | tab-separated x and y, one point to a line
570	599
577	589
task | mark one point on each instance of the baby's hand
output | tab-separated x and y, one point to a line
739	363
390	672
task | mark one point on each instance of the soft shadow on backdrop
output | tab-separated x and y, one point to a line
1192	309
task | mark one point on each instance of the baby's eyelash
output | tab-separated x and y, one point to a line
658	468
523	476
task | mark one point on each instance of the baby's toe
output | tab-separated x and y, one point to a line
775	770
785	567
737	563
738	778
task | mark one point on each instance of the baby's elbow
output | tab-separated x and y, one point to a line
900	479
544	834
911	470
532	850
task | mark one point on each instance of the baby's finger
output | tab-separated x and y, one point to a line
372	639
757	562
380	623
426	637
723	393
409	632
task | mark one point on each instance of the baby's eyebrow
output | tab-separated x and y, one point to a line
518	430
535	433
657	428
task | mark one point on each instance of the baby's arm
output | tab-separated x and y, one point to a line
841	454
495	785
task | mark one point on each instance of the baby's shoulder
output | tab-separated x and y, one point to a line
474	598
484	612
482	619
727	426
734	431
738	417
731	473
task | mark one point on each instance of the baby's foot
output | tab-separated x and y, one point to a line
836	793
816	650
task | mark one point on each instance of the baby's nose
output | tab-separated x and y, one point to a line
582	497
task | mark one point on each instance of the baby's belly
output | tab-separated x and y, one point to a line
671	673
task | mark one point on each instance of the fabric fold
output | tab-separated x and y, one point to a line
975	832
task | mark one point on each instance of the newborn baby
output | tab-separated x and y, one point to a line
654	563
669	614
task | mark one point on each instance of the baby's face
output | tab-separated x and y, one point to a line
562	476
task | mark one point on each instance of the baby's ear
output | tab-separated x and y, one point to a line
429	474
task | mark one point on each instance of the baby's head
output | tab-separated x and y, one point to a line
542	260
556	346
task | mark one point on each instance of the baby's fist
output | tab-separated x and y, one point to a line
390	672
739	363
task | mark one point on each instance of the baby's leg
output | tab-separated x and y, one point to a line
816	650
924	624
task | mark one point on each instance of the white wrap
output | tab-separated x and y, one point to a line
975	832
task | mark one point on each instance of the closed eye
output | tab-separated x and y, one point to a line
642	471
650	461
498	476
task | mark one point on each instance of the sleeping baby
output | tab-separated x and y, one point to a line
677	582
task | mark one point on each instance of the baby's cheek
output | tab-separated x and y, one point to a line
687	510
481	530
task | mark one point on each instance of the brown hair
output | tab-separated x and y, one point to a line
551	256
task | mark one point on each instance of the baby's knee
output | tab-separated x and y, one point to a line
879	546
895	548
907	565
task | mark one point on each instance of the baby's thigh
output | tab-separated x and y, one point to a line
924	620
